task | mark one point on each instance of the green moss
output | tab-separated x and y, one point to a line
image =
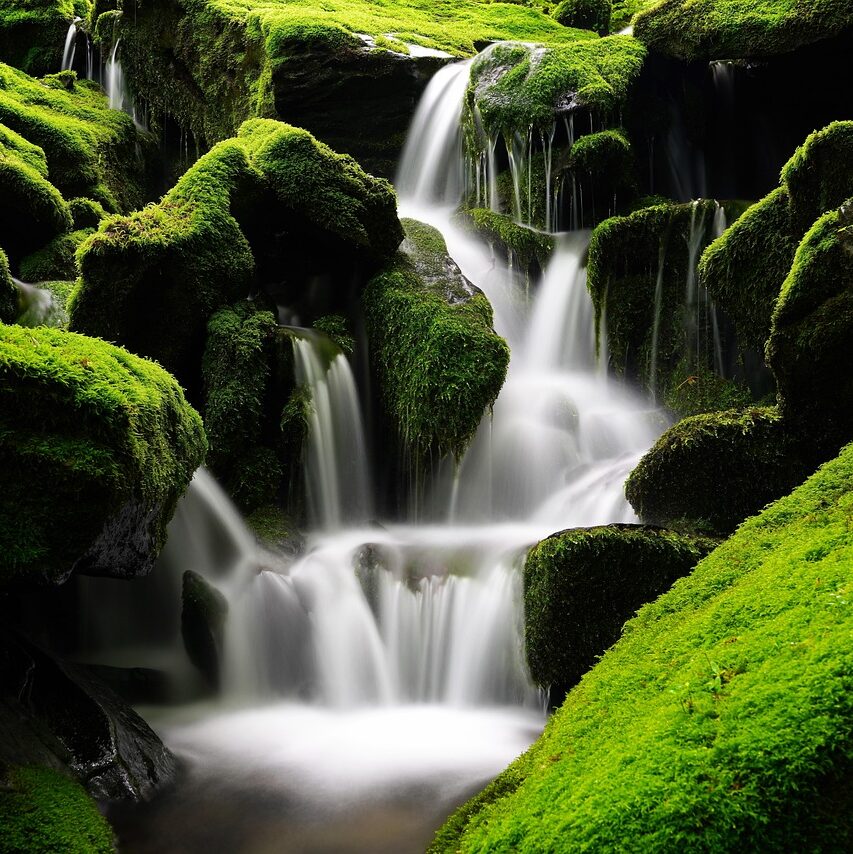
43	812
204	614
273	527
8	292
529	248
44	304
32	32
86	213
723	718
709	472
812	326
739	29
439	363
693	391
623	12
581	585
584	14
92	439
338	329
516	86
57	260
91	150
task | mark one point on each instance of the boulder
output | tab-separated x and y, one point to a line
204	613
32	32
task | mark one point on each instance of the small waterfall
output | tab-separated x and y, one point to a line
656	321
336	459
38	307
70	49
116	88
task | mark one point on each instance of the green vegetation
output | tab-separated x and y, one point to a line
581	585
338	329
721	721
624	10
204	612
91	150
584	14
32	32
709	472
739	29
55	261
8	292
44	812
530	249
517	86
96	446
439	363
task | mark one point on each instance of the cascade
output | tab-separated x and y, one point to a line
70	48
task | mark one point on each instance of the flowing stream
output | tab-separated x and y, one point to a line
376	678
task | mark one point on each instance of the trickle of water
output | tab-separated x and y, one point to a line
70	48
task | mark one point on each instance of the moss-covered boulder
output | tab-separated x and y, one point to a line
582	585
739	29
204	611
709	472
809	343
439	363
8	292
152	280
32	32
42	811
584	14
43	304
57	261
96	446
90	150
721	721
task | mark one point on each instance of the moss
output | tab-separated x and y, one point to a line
439	363
812	326
584	14
273	527
43	304
86	213
8	292
32	32
529	248
516	86
57	260
623	12
337	328
43	812
692	391
96	446
91	150
723	718
581	585
709	472
739	29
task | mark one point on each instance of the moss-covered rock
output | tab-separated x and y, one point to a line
204	612
584	14
582	585
439	363
809	344
57	261
86	213
96	446
43	812
43	304
739	29
32	32
90	150
721	721
710	472
8	292
152	280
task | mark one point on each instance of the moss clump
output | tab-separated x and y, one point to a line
337	328
439	362
90	150
96	446
701	390
8	292
43	812
739	29
32	32
812	324
723	718
584	14
86	213
709	472
530	249
745	268
581	585
57	260
514	87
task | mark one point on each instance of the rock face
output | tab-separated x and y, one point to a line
581	586
96	446
675	739
58	715
203	615
439	362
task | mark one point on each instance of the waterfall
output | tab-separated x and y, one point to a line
116	88
70	48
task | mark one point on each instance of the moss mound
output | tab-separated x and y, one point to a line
96	446
90	150
710	472
43	812
739	29
584	14
439	362
516	86
8	292
723	718
581	585
57	261
528	248
32	32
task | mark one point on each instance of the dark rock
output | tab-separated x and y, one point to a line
203	618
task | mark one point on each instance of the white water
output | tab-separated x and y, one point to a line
70	48
388	659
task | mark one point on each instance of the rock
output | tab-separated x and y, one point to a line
96	446
203	616
32	32
438	360
581	586
59	715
